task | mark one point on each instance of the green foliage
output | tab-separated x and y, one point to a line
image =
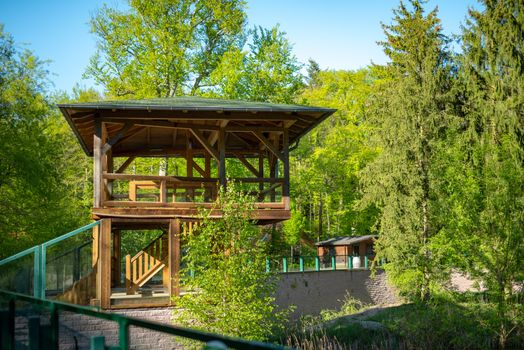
188	47
294	227
268	71
409	115
35	200
231	292
485	183
326	164
163	48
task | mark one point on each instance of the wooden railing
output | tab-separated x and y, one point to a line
145	264
127	190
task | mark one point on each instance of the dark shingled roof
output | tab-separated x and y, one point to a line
194	103
348	240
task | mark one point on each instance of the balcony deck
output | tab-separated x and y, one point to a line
164	197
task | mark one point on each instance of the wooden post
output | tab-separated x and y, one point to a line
97	163
117	256
207	171
174	257
163	191
222	156
285	153
96	234
103	285
190	193
108	168
261	175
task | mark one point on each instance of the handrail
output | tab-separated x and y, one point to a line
40	258
177	179
18	255
124	322
143	250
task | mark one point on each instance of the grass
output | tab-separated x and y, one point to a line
446	322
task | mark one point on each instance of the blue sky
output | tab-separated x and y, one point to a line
337	34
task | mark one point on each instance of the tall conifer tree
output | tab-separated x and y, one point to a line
409	117
488	179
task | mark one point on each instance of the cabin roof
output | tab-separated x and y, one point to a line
204	114
347	240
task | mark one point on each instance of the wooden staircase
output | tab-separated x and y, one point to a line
146	264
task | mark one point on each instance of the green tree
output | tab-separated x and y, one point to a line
35	204
267	71
326	164
163	48
233	294
486	181
409	118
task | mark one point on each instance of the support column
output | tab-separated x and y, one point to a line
103	277
174	257
97	163
222	156
285	153
261	175
116	258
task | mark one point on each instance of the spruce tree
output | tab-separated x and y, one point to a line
488	179
409	119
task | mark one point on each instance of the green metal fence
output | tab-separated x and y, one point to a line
319	263
47	336
38	255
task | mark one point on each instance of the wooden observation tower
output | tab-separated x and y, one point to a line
209	134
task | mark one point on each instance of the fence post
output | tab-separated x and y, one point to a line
123	334
350	262
98	343
333	263
37	271
7	330
366	262
301	259
53	320
34	332
268	265
317	263
284	264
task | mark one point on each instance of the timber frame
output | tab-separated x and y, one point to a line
206	133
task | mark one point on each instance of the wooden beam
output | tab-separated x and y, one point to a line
203	141
124	165
197	167
285	151
132	134
117	137
222	157
268	128
97	164
248	165
117	255
163	124
213	138
175	132
174	257
268	145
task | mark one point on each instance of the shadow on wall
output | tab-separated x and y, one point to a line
313	291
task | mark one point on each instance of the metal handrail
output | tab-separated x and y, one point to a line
123	325
40	258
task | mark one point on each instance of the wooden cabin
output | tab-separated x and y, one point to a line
208	134
347	247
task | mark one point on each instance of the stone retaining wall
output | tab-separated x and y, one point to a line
312	291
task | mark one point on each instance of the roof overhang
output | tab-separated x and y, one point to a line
133	117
